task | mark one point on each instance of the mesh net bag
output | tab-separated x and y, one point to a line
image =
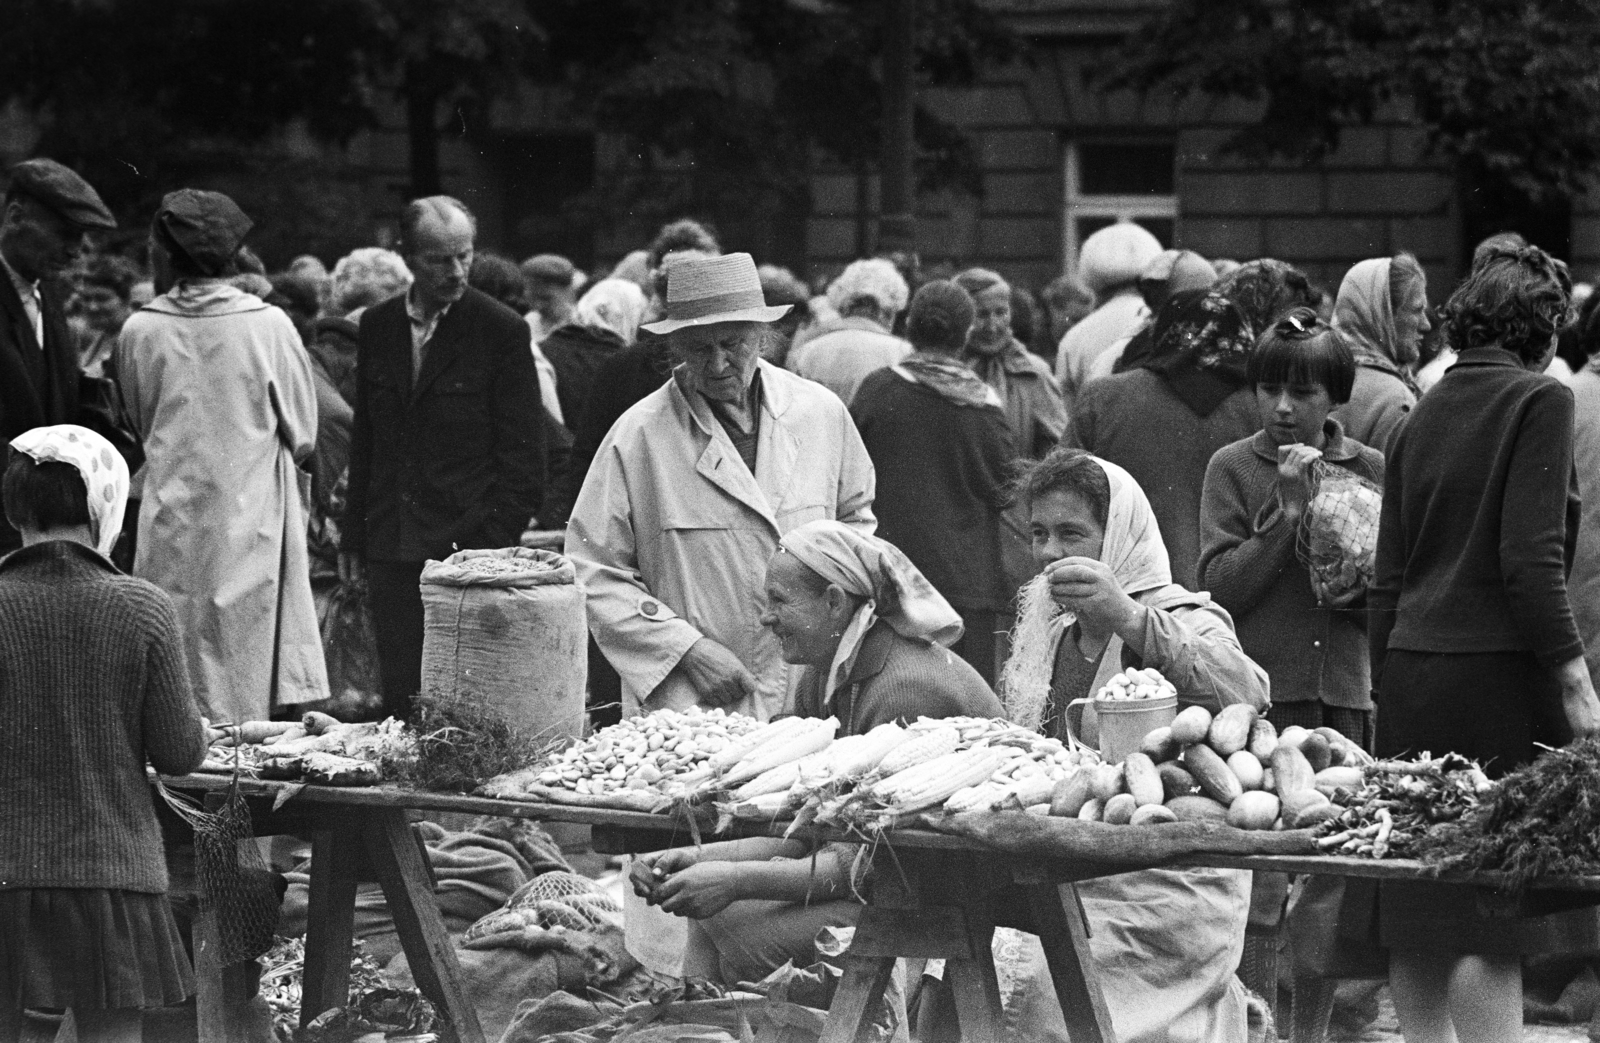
235	884
1338	540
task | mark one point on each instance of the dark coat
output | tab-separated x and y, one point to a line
942	479
577	353
37	388
457	461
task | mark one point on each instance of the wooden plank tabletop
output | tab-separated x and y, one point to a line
676	830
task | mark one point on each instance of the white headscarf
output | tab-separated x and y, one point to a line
1364	309
105	473
613	304
1138	559
868	567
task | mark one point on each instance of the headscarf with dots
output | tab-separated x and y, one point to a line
105	473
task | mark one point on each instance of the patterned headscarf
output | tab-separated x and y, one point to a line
105	473
1267	289
1201	343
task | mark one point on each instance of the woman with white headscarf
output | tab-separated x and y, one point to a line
92	684
872	637
605	321
1166	941
1383	307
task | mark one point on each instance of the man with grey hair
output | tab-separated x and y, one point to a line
448	449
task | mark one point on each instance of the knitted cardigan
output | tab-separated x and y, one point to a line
92	679
1248	563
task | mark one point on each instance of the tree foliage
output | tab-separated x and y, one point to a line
1508	88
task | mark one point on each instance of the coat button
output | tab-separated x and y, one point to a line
1316	644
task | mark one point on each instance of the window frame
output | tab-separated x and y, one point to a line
1076	204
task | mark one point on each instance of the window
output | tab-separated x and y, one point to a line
1118	180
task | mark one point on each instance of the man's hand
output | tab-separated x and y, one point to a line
701	890
352	572
1088	588
716	674
1578	700
1294	478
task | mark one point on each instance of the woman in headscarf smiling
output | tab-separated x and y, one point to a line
220	389
871	635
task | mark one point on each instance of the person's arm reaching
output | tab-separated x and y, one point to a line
1242	553
1196	649
711	881
644	639
174	739
1533	545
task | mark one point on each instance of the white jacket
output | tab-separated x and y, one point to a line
671	533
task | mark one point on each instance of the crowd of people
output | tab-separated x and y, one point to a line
913	493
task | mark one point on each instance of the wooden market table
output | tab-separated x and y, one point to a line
933	896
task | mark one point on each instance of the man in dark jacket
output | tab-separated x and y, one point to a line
447	452
48	209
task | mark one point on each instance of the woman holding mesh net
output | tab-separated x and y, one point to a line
92	682
1288	528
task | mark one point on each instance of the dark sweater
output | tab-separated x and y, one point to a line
1136	420
92	680
618	382
577	353
1480	517
942	476
897	679
1248	564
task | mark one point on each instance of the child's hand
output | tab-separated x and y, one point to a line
1294	478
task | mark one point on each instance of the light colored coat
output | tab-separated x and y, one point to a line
220	389
671	533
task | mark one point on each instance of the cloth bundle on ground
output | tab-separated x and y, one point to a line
788	1006
477	871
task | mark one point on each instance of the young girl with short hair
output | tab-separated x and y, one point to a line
92	683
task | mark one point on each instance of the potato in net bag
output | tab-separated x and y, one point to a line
1338	538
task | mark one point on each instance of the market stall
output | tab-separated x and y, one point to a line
972	824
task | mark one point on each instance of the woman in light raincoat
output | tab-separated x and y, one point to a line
1166	942
220	389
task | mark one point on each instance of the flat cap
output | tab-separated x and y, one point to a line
208	226
63	191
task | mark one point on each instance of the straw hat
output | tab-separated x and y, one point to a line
706	290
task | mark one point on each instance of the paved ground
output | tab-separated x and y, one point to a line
1387	1030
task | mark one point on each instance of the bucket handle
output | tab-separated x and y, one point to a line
1074	716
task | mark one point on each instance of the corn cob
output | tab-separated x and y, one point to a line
736	750
975	798
923	748
959	771
781	778
765	807
814	735
865	752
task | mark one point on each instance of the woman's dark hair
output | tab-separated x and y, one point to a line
940	317
1302	349
682	234
1067	470
184	266
1266	289
1586	331
43	496
1514	298
501	279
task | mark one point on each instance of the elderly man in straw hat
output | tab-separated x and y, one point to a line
691	491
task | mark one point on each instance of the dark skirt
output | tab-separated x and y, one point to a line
90	949
1493	707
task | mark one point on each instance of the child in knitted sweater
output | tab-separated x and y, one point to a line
92	683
